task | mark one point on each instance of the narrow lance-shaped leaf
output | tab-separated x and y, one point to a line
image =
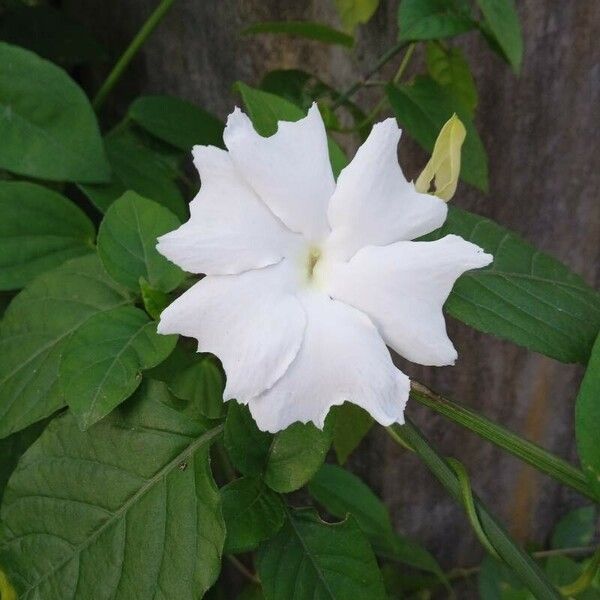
102	361
127	243
47	126
39	230
587	419
34	331
335	560
304	29
125	510
524	296
176	122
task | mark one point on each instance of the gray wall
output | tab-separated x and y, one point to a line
540	130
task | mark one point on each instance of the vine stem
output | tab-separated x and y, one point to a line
138	41
527	451
383	60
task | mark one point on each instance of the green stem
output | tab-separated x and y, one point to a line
531	453
383	60
138	41
242	568
523	565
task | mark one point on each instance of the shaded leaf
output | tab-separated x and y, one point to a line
47	126
39	230
155	301
123	510
355	12
304	29
576	528
351	424
34	331
423	107
265	110
102	362
449	68
286	460
502	21
252	513
49	33
587	410
137	167
127	243
433	19
177	122
525	296
335	560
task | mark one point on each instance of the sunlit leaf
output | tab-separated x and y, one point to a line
355	12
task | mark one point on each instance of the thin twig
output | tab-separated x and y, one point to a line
242	568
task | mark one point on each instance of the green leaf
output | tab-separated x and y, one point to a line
576	528
13	447
127	243
35	329
266	110
587	416
497	582
524	296
433	19
341	493
39	230
355	12
304	29
286	460
137	167
335	561
126	509
449	68
155	301
177	122
50	33
502	21
201	383
351	424
422	107
47	126
252	513
102	361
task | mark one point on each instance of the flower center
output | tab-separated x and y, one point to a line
314	254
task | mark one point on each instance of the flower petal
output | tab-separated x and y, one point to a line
251	322
373	203
342	358
290	170
230	230
403	287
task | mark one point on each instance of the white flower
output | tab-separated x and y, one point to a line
307	279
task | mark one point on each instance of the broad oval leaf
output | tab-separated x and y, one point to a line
433	19
525	296
47	126
587	419
127	243
342	493
335	560
502	20
177	122
286	460
576	529
34	331
422	108
304	29
102	361
266	110
351	425
450	69
39	230
127	509
137	166
252	513
355	12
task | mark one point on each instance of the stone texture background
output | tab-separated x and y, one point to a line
540	130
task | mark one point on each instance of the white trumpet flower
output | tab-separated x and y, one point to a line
308	279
